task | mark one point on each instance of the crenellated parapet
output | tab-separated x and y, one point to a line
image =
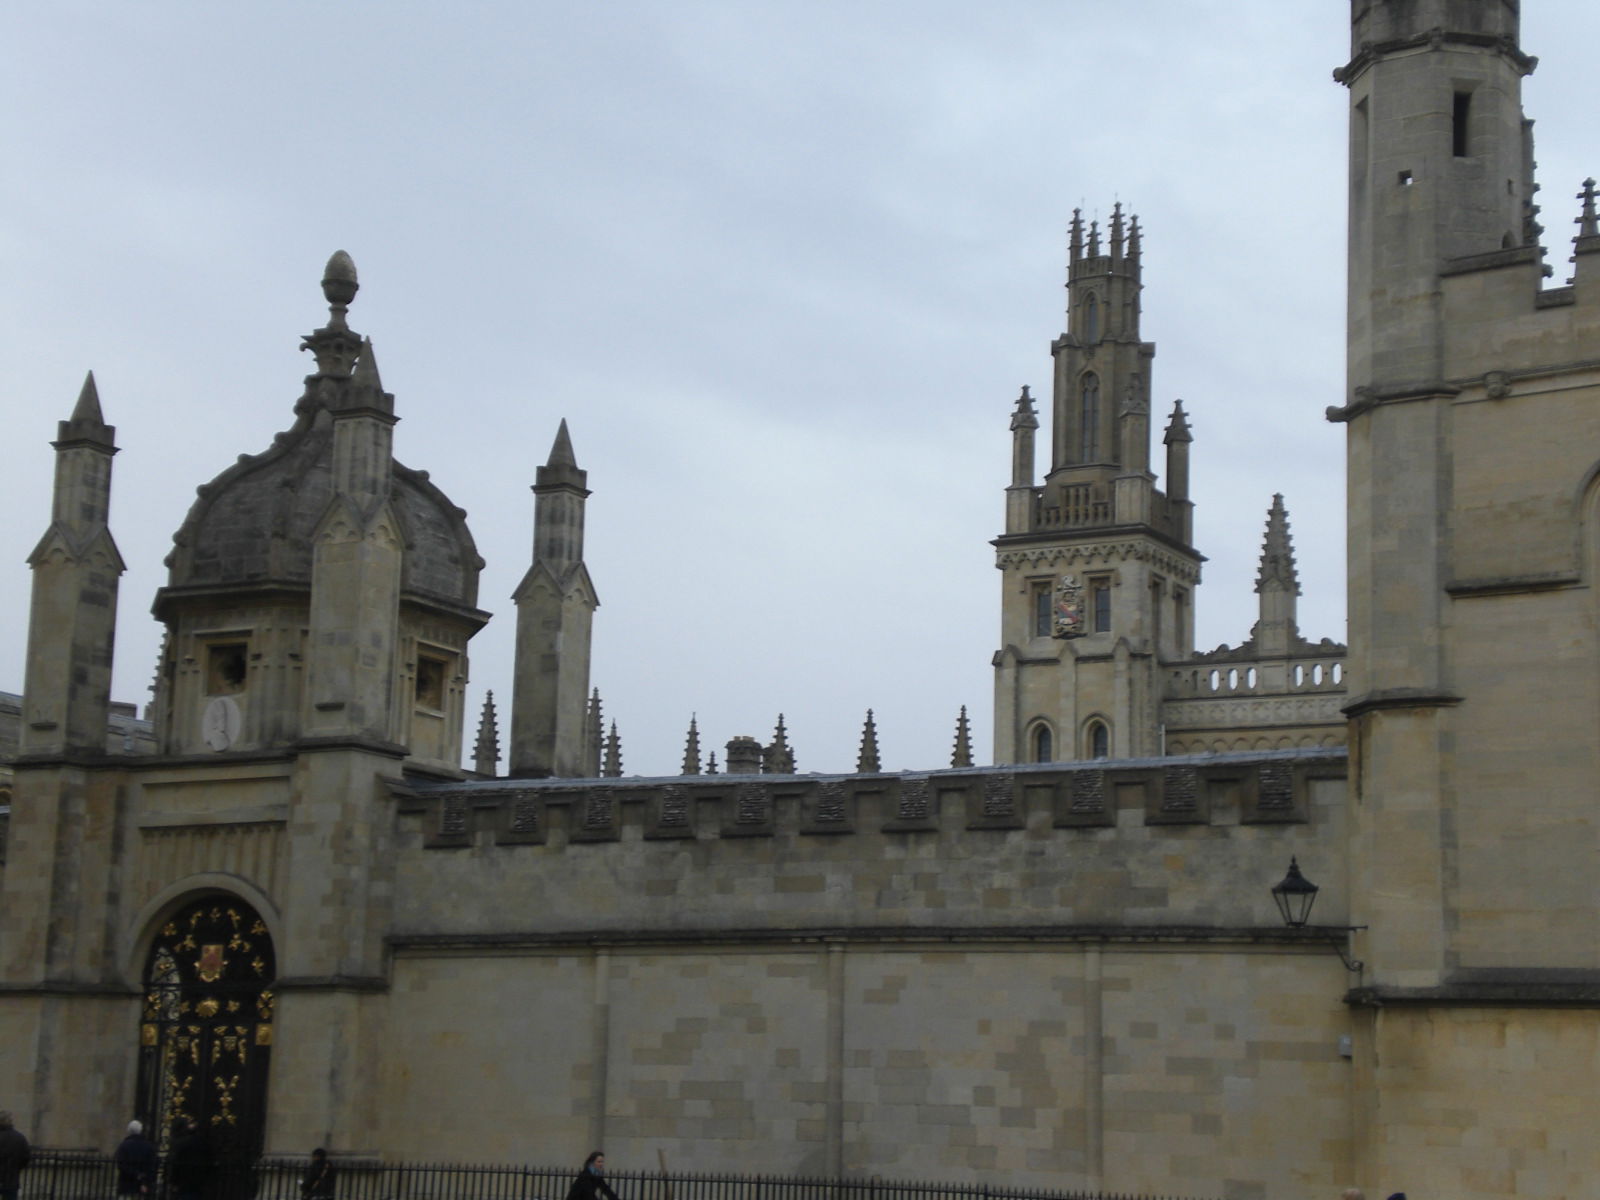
564	813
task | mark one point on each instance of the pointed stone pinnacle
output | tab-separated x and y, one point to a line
561	450
961	754
1024	417
867	759
366	372
1586	221
1277	568
1178	426
486	753
87	410
691	748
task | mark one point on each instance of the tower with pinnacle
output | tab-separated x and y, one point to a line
550	733
1098	570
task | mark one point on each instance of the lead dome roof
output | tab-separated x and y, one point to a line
252	525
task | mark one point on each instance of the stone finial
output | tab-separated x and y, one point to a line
867	759
691	749
1277	569
612	769
1024	417
486	752
778	758
1075	236
1094	238
711	764
1178	425
961	755
334	345
1586	222
339	283
1133	237
1116	229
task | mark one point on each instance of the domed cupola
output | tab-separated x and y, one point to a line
292	555
251	526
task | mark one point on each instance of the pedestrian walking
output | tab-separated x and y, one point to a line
189	1163
591	1181
14	1155
136	1161
320	1177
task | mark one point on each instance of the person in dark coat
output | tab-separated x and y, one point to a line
14	1155
136	1163
319	1181
591	1181
189	1164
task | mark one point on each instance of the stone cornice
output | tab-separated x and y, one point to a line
1371	52
911	938
1400	698
1014	551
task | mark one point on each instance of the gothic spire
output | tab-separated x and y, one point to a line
711	764
1075	238
961	756
87	410
613	764
1277	569
867	759
1586	223
1094	238
486	754
86	425
1133	237
691	749
1116	230
561	454
778	758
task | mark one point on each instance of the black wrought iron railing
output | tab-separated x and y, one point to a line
58	1175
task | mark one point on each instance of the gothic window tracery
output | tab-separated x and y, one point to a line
1089	417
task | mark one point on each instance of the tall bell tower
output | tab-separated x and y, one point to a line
1098	570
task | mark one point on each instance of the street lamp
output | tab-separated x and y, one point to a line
1294	895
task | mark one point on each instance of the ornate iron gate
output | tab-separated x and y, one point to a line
205	1035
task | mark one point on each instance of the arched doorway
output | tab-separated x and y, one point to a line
205	1033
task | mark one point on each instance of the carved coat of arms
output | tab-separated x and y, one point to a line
1069	621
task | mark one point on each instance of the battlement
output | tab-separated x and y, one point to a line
561	813
1193	841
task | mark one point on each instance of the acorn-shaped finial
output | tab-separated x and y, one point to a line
339	284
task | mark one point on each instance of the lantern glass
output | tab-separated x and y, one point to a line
1294	896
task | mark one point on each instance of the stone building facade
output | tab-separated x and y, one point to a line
298	918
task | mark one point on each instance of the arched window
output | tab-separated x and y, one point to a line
1089	418
1091	320
1097	740
1044	749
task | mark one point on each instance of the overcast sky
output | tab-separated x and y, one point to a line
782	266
